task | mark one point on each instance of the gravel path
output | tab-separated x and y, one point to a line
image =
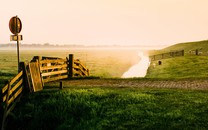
182	83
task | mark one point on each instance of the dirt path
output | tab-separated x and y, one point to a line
184	83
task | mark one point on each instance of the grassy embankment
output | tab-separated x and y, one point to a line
121	108
189	66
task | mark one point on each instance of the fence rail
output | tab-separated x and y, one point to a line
167	55
80	69
10	94
32	77
53	69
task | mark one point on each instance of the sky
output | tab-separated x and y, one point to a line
107	22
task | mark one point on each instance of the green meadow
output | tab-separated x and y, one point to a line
106	107
180	67
112	108
105	63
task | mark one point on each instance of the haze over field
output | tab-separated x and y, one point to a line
107	22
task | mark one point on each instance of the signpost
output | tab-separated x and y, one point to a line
15	26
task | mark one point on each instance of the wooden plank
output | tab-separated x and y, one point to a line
14	103
15	96
13	89
4	98
76	67
3	90
12	81
16	77
5	108
79	73
82	70
46	57
82	66
35	76
26	80
52	61
55	78
54	73
53	67
16	86
76	62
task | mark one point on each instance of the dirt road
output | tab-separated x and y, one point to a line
180	83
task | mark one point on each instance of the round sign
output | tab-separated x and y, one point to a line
15	25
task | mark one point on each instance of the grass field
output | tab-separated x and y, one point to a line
91	107
112	108
188	66
180	67
101	62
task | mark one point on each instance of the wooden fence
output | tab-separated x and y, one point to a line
167	55
33	76
12	92
52	68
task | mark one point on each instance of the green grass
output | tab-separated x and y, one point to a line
111	108
180	67
189	66
189	46
184	46
102	62
118	108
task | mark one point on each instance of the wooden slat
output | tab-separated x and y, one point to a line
16	86
13	105
12	81
79	73
13	89
15	96
55	78
45	57
3	90
52	61
36	78
16	77
53	67
83	66
80	70
4	98
85	73
76	67
54	73
76	61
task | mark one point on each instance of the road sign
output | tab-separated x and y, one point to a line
14	37
15	25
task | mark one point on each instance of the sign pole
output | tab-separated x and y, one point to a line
15	26
18	59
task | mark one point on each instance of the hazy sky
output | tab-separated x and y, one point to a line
142	22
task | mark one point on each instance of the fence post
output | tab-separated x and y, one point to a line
60	85
182	52
88	72
70	65
197	52
26	81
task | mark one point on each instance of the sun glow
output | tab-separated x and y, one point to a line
139	69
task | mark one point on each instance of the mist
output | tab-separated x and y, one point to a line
139	69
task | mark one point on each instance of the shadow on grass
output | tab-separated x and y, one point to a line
111	108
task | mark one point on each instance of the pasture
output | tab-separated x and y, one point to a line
104	104
105	63
78	106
